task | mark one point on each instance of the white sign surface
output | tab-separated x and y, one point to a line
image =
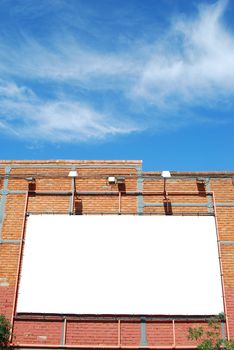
120	265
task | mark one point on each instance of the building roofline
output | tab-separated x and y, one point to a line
71	162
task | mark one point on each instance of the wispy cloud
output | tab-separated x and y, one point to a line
26	115
191	64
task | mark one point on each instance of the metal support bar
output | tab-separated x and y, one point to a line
4	198
140	193
71	203
51	193
143	341
226	242
122	213
133	193
174	334
64	331
177	204
221	266
12	191
140	183
110	318
98	175
9	241
19	266
119	333
223	333
120	202
209	196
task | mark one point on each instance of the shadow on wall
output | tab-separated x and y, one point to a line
167	206
122	187
78	206
32	188
201	187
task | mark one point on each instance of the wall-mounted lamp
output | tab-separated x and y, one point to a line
166	175
112	180
116	180
73	173
30	179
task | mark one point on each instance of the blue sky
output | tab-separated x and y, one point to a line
126	79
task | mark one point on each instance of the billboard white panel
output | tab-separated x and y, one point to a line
120	265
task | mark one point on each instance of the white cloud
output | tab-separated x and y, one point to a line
191	64
11	90
62	60
25	115
194	63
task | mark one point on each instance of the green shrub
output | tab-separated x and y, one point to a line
5	332
211	339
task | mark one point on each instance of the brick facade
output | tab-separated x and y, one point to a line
52	191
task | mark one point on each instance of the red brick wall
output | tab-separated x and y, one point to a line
92	176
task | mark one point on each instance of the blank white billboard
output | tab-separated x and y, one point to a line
120	265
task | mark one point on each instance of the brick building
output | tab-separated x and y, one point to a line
111	189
